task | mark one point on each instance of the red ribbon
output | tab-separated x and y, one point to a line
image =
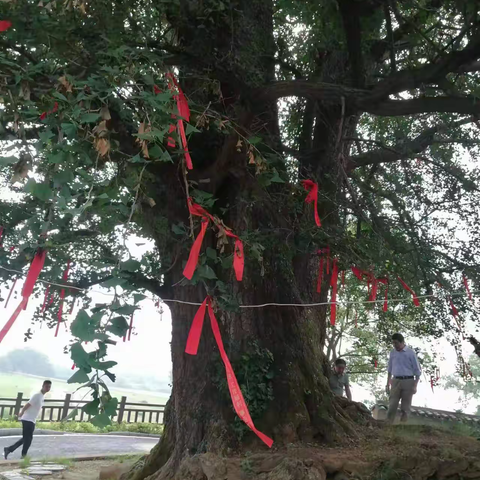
238	253
454	308
10	292
431	383
5	25
184	112
312	188
465	282
62	297
334	285
195	251
236	395
1	235
358	273
385	302
322	253
375	363
416	302
238	256
32	276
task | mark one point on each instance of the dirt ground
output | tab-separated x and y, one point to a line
386	453
382	453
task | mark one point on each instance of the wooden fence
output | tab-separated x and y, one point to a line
58	410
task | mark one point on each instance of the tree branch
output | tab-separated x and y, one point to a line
362	100
430	73
402	150
395	108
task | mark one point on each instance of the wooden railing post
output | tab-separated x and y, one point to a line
66	406
18	403
121	409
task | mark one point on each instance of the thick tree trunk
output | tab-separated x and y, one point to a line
276	352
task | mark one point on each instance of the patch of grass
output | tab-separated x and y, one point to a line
25	462
59	461
129	458
86	427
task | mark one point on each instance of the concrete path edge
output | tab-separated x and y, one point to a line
10	432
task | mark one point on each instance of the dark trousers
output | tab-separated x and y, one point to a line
26	440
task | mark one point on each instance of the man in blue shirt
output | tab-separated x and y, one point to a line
403	366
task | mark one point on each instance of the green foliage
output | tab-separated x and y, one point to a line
468	386
87	427
254	371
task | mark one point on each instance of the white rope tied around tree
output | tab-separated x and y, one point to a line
271	304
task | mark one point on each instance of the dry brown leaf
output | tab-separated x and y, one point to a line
239	145
65	84
102	145
251	157
24	90
150	201
101	129
82	8
21	168
105	113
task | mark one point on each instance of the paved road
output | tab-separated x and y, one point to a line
73	445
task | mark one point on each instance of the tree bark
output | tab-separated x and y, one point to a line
277	353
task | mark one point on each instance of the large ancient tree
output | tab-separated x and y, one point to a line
374	100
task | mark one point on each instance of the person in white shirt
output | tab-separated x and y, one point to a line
404	367
28	415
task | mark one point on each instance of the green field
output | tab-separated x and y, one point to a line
11	384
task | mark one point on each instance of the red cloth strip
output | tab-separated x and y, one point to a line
62	298
238	401
467	288
33	273
334	285
195	332
195	251
385	302
453	307
358	273
416	302
12	319
5	25
312	188
183	137
375	363
1	236
10	293
191	348
172	128
238	255
431	382
130	328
